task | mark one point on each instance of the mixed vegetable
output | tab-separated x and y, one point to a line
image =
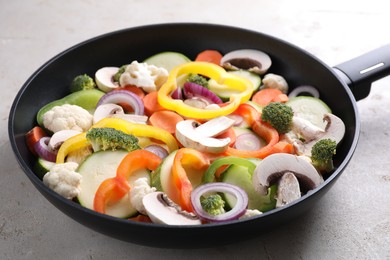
185	142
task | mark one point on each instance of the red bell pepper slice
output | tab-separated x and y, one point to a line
113	189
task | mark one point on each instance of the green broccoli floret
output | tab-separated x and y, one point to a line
213	204
198	79
279	116
322	155
109	138
119	73
82	82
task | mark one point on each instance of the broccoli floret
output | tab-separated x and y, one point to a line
213	204
198	79
109	138
279	116
119	73
82	82
322	155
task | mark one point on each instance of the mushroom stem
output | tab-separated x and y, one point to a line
288	189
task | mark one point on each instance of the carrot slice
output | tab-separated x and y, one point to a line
211	56
151	103
33	136
134	89
265	96
141	218
166	120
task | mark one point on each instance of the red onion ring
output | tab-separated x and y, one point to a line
248	142
237	211
43	150
157	150
304	89
123	96
177	93
194	90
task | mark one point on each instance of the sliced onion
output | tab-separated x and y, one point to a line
157	150
192	90
123	96
237	211
312	91
177	93
44	151
248	142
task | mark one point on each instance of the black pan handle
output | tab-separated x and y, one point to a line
359	73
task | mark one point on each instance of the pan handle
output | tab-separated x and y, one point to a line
363	70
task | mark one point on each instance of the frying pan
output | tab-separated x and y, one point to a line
339	87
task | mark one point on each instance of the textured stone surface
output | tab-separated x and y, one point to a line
351	222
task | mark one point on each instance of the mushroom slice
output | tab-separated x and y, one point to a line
273	167
104	78
59	137
203	139
163	210
106	110
132	118
288	189
247	59
334	130
215	126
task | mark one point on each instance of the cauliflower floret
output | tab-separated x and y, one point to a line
63	179
138	191
148	77
67	117
275	81
251	213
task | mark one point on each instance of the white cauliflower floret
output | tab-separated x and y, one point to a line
251	213
63	179
275	81
138	191
148	77
67	117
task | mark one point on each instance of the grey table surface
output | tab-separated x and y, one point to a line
352	221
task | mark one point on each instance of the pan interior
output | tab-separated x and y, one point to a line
52	80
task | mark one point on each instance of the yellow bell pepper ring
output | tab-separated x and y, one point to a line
232	82
139	130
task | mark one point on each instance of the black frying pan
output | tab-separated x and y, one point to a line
339	88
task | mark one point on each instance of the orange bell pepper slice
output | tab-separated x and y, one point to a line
187	157
113	189
248	113
265	131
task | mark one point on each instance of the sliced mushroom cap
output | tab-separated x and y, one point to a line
288	189
162	210
132	118
273	167
247	59
334	130
61	136
201	137
106	110
104	78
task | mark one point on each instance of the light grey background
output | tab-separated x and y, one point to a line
351	222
